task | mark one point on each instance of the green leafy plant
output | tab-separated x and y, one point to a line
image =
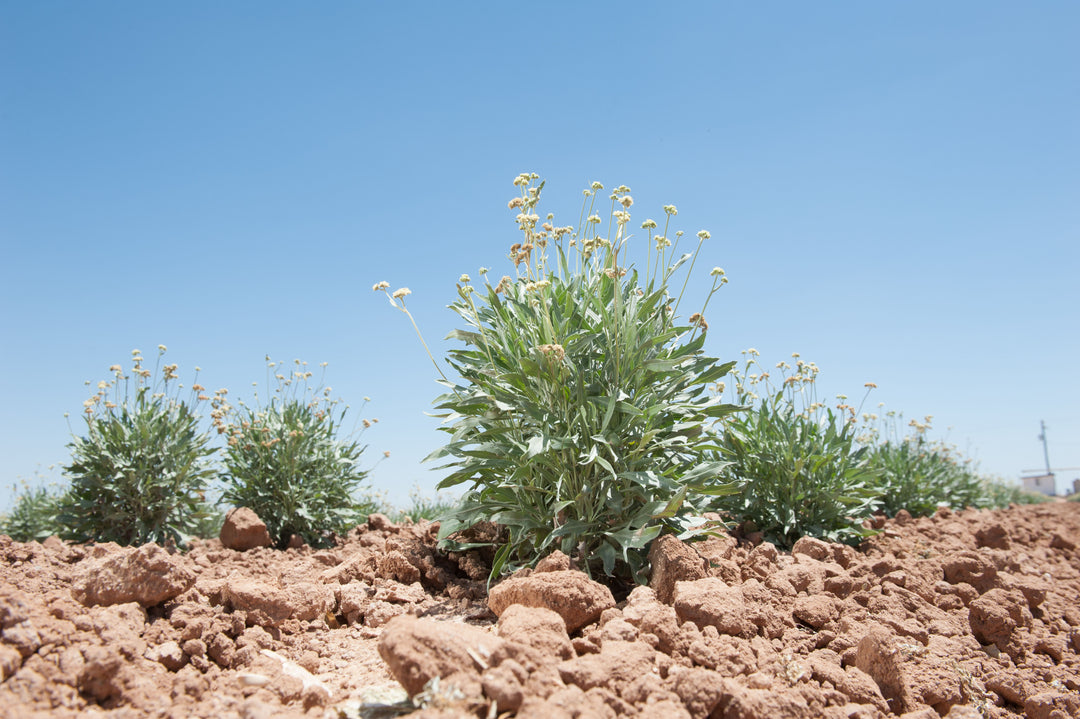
139	473
1000	493
33	516
423	506
581	418
286	461
795	459
918	474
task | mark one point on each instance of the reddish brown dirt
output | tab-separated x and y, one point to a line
962	615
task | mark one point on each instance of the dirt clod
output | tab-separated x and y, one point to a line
964	614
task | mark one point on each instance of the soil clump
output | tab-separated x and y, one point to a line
963	614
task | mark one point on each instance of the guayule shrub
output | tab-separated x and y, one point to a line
33	516
139	473
581	416
287	461
796	460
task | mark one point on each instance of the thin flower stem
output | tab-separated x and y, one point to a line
689	272
421	336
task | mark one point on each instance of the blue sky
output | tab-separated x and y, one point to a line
892	189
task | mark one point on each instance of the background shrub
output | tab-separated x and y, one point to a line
1000	493
33	515
796	463
285	461
581	417
920	475
139	473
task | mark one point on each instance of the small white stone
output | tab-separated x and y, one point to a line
253	680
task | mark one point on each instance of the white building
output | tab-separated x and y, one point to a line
1043	483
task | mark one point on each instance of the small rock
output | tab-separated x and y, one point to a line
995	616
1059	541
379	522
102	676
616	666
270	606
701	690
244	530
878	657
672	561
711	602
816	610
766	704
571	594
419	650
554	562
813	548
1049	705
994	536
1011	688
168	654
148	575
971	568
503	686
537	627
395	565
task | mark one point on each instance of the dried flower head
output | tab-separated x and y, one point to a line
553	351
401	292
375	288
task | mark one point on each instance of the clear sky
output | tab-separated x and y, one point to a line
892	188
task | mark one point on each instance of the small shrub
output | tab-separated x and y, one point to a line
917	474
139	473
209	522
795	460
581	417
33	516
422	506
1000	493
286	462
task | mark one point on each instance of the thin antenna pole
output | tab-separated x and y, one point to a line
1046	451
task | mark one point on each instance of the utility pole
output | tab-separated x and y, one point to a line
1046	451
